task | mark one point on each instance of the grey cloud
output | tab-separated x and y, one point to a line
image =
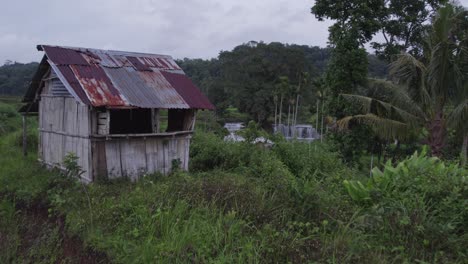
181	28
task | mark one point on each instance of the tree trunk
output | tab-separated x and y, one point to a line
397	148
281	109
297	106
289	112
292	120
437	133
321	128
463	151
316	122
276	114
379	152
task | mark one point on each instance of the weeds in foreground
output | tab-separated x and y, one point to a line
251	204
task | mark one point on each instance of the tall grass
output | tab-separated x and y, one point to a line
243	203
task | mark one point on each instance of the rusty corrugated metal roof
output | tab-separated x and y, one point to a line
124	79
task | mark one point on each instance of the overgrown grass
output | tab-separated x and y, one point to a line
9	234
244	203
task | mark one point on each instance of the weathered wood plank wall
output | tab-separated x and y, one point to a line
64	128
133	157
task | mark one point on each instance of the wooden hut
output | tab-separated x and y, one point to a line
123	114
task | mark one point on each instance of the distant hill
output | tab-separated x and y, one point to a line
201	71
15	77
247	77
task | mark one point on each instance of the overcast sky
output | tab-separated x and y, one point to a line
181	28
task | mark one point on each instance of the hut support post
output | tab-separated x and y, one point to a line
25	142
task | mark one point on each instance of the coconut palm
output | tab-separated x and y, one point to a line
303	81
426	94
282	88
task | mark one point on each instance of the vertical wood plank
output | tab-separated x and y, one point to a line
133	158
99	159
160	156
181	152
113	165
85	159
152	155
167	156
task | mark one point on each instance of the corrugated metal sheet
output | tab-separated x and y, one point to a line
62	56
124	79
133	88
189	92
163	89
97	86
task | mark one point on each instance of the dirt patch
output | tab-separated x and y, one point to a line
43	237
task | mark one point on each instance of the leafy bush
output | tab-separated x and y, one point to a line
307	159
209	152
418	208
9	119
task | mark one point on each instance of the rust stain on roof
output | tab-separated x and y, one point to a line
97	86
163	89
125	79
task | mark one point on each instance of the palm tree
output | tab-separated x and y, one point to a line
283	88
303	81
427	94
321	94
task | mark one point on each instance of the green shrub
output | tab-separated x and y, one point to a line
209	152
306	159
418	208
9	119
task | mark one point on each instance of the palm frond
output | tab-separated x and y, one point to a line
458	117
383	127
396	95
409	71
447	66
383	109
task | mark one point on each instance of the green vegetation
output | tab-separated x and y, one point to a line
240	203
426	92
15	77
293	202
253	87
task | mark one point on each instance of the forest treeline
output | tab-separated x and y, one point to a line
247	78
15	77
241	78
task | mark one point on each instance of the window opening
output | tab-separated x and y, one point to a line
130	121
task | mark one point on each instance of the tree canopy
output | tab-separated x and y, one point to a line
401	23
426	92
15	77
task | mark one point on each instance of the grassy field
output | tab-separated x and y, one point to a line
240	203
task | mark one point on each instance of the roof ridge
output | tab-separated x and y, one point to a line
116	52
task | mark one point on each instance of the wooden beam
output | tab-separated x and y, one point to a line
148	135
63	133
